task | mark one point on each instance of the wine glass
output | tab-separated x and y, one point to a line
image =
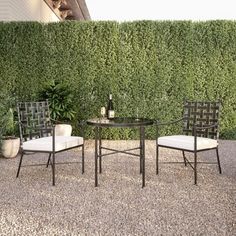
137	114
103	112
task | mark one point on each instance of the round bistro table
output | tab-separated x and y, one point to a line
124	122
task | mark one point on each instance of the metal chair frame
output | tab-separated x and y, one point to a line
34	123
200	119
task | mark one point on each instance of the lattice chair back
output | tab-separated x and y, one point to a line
202	114
33	116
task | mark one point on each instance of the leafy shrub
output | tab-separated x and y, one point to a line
152	65
8	124
60	99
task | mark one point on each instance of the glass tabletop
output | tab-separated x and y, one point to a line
120	122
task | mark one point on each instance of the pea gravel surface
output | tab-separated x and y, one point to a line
170	204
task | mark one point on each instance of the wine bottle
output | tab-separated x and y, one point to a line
110	108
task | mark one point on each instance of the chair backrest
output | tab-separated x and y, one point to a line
32	117
202	114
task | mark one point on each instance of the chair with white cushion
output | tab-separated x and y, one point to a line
37	134
200	133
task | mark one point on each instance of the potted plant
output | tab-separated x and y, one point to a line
61	105
9	143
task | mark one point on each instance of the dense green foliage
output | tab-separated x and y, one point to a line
149	65
61	100
8	124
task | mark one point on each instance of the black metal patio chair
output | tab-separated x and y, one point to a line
200	133
37	134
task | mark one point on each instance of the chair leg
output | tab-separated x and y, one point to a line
49	158
83	159
140	154
100	150
218	160
53	169
18	171
195	168
157	159
185	163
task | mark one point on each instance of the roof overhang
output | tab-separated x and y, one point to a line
69	9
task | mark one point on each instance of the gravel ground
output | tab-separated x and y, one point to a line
169	204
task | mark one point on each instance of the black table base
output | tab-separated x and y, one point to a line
121	122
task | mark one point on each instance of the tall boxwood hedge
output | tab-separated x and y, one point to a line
150	67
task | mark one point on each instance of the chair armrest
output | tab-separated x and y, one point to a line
35	128
205	126
169	122
42	129
196	128
45	129
39	130
56	121
157	123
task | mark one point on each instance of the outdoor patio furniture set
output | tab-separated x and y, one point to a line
200	133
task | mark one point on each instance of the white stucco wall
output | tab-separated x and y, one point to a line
47	15
26	10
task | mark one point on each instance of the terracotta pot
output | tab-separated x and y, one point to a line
63	130
10	147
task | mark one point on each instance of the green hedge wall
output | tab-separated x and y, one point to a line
150	67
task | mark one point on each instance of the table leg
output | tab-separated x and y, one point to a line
96	156
100	150
142	135
141	151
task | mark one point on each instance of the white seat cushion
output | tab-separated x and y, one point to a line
45	144
187	142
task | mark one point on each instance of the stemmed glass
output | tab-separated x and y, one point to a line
103	112
137	114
